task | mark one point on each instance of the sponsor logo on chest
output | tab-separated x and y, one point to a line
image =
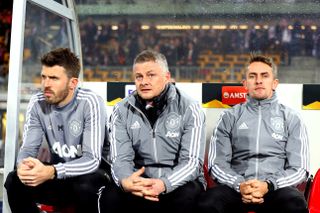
277	125
65	151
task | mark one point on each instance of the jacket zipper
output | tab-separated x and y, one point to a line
155	152
258	141
154	144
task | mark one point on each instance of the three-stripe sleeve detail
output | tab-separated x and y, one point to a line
195	144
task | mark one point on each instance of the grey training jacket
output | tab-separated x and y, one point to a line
74	132
173	150
262	140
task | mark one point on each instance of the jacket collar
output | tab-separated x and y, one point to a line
266	102
69	105
169	92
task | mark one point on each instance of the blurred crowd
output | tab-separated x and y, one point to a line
115	42
104	46
5	29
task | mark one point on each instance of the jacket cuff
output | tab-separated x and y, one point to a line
167	184
270	186
273	182
60	170
236	185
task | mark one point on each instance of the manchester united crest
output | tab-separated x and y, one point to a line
173	121
75	128
277	124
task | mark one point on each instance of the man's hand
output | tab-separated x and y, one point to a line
134	183
149	188
246	191
157	187
260	189
32	172
252	191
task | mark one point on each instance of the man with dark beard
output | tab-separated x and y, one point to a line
72	120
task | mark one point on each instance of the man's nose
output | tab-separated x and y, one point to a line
259	79
145	80
46	82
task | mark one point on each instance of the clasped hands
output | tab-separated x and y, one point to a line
148	188
252	191
33	172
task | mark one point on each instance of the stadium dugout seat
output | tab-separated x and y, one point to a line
314	196
310	188
53	209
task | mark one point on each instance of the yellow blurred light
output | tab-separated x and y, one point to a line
205	27
219	27
173	27
233	27
243	27
145	27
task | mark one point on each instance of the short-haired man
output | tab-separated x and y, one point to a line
157	138
72	120
258	152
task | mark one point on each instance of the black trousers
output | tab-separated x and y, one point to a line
82	192
181	200
223	199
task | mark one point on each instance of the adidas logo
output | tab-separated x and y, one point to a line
243	126
135	125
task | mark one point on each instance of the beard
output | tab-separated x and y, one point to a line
57	97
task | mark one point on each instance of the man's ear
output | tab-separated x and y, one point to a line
244	83
275	84
73	83
168	76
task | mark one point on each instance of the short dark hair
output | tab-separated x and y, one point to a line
150	55
65	58
266	60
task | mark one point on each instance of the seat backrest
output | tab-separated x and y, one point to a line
210	181
308	186
314	197
305	187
